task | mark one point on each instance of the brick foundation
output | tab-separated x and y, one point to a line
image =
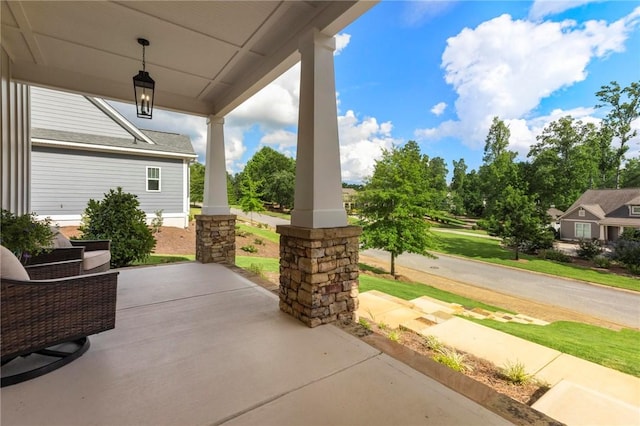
319	273
216	239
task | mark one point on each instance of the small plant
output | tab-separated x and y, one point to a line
118	217
432	342
514	372
243	234
555	255
394	335
364	323
256	269
157	222
452	359
24	235
249	249
602	262
383	325
258	242
589	249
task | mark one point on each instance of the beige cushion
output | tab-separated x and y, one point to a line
59	240
93	259
10	266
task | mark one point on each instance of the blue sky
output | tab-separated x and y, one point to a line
437	72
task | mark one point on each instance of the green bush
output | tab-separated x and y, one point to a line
515	373
24	235
249	249
627	250
453	359
602	262
258	241
555	255
256	269
118	218
589	249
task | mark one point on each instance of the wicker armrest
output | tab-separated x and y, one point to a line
91	245
57	255
47	271
42	313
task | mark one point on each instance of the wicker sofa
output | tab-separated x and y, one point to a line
95	254
42	306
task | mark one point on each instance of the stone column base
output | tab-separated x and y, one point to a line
319	273
216	239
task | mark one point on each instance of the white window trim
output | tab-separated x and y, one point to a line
581	224
146	181
634	210
581	212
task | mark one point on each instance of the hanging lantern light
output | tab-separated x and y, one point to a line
143	87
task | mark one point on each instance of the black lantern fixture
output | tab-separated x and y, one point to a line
143	87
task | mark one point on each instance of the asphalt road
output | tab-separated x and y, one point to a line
618	306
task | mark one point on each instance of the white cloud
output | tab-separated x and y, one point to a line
342	41
419	12
361	144
439	108
541	8
283	139
505	67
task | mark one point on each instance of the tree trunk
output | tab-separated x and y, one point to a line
517	257
393	265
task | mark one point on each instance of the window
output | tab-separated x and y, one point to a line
583	230
581	212
635	210
153	179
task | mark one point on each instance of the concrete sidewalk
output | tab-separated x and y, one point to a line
581	392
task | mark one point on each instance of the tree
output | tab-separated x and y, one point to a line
498	170
261	169
435	182
281	187
620	116
196	182
630	175
519	221
250	200
393	204
457	187
564	162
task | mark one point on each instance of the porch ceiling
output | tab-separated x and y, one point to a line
206	57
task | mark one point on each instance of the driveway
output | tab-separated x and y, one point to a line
261	218
622	307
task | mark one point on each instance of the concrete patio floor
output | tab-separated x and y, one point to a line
200	344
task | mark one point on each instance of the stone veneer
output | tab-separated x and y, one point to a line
319	273
216	239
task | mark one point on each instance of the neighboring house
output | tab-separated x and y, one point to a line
349	198
82	148
555	215
601	214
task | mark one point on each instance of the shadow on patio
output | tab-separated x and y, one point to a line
201	344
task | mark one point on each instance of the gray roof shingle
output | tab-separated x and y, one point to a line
609	200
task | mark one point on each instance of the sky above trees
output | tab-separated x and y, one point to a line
437	73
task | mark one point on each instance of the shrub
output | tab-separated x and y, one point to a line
555	255
589	249
256	269
118	218
627	250
364	323
602	262
543	240
432	342
515	373
157	222
24	235
249	249
453	359
258	242
394	335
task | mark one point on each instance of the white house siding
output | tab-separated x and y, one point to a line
87	175
69	112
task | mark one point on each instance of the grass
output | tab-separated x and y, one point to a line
267	264
610	348
159	259
490	251
265	234
408	291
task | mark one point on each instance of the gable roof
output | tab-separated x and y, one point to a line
602	202
554	212
80	122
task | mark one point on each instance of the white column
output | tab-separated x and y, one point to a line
215	175
318	196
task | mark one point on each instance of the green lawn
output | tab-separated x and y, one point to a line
612	349
267	264
488	250
266	234
158	259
